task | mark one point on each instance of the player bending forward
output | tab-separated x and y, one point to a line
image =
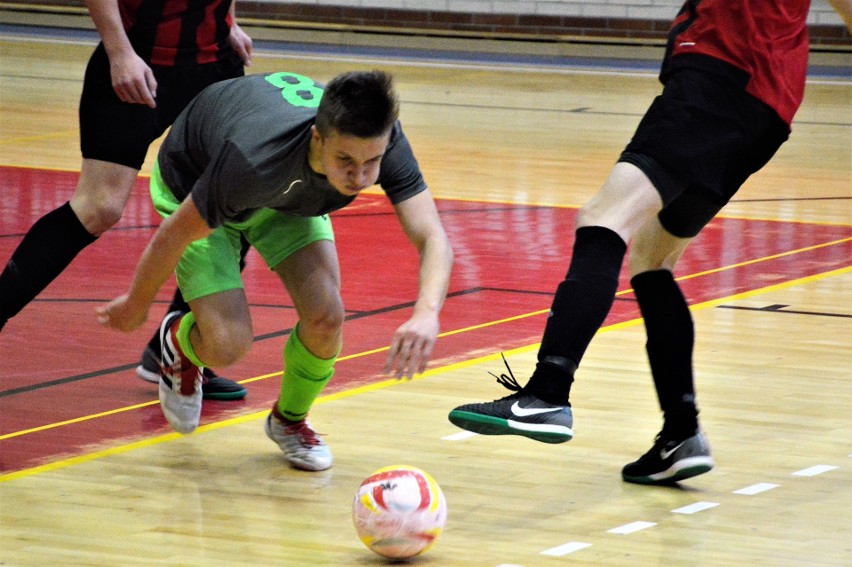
267	157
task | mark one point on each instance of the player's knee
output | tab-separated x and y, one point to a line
108	214
98	215
647	254
643	259
325	320
589	214
230	344
617	217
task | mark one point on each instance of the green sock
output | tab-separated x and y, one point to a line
185	325
305	376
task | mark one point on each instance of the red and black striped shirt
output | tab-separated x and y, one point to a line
177	32
765	39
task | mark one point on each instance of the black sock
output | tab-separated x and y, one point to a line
671	337
46	250
579	308
551	381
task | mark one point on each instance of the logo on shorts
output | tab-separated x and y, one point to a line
287	190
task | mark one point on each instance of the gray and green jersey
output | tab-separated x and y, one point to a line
242	145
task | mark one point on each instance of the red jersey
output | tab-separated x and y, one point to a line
767	39
177	32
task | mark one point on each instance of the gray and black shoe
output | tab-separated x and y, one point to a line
520	413
671	460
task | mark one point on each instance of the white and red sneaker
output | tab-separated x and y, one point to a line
180	380
302	448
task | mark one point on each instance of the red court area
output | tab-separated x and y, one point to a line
67	385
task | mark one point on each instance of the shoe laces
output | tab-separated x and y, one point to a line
189	374
508	381
307	436
206	374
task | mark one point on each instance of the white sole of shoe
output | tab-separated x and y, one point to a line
147	375
179	421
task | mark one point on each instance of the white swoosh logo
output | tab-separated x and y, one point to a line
523	412
666	454
291	186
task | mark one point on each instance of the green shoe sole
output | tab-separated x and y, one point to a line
489	425
218	388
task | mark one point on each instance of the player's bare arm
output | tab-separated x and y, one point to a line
158	261
413	342
132	79
239	40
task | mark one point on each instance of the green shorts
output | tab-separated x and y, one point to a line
212	264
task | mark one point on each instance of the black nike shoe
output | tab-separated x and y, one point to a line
671	460
517	414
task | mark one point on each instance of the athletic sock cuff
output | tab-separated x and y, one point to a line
310	365
184	327
651	279
71	227
597	248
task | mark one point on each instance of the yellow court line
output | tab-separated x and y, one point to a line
498	322
35	137
76	420
385	383
765	258
501	201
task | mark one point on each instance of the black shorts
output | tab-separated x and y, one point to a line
698	143
120	132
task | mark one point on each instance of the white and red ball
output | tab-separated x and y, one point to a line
399	511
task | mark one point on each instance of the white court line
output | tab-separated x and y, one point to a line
566	548
815	470
459	436
436	61
697	507
756	488
509	565
632	527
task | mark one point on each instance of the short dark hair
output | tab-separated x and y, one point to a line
363	104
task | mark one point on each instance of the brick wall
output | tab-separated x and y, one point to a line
613	20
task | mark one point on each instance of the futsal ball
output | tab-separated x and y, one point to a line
399	511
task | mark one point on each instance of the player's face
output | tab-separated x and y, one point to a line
351	164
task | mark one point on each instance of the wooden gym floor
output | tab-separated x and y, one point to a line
90	474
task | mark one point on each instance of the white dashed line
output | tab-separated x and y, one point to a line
632	527
815	470
459	436
566	548
756	488
697	507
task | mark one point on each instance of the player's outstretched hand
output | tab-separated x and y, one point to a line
412	346
122	314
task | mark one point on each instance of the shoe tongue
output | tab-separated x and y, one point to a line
513	396
187	382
